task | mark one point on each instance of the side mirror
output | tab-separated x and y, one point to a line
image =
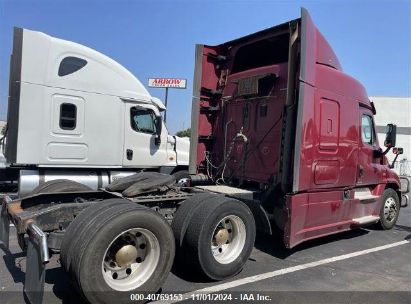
397	152
390	138
159	126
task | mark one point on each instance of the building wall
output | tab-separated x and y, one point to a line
396	110
2	159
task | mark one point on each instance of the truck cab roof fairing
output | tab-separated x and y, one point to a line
42	56
314	49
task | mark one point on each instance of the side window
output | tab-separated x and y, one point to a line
70	65
367	130
68	116
143	120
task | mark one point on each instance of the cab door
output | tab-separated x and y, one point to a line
141	149
368	168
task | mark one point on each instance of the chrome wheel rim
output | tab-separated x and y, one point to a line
390	209
130	259
228	239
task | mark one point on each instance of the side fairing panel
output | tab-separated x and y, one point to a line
205	76
14	96
326	144
317	214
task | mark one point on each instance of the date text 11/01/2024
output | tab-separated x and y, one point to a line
201	297
230	297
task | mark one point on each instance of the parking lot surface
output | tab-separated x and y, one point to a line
359	266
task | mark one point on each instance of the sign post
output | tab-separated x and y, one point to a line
175	83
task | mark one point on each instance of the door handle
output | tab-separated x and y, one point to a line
129	154
360	171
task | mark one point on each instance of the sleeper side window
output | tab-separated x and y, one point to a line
143	120
68	116
70	65
367	130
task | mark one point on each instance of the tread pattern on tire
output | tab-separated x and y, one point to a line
184	213
89	233
70	239
59	185
189	225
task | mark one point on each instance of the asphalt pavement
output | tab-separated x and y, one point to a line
360	266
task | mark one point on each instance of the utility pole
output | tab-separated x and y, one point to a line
165	103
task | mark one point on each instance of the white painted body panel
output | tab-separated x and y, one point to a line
182	149
103	92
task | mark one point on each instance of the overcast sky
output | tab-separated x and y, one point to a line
157	38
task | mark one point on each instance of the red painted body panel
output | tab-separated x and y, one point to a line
243	124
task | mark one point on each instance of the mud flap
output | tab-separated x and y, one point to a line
4	222
37	258
260	216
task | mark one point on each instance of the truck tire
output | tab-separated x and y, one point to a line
158	182
182	178
390	209
219	238
123	183
59	185
80	221
128	249
183	216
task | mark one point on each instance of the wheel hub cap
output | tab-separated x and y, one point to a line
221	237
390	209
126	255
130	259
228	239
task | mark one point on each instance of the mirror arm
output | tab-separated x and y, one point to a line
393	162
386	150
157	140
159	127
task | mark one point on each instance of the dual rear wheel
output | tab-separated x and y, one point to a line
115	248
214	235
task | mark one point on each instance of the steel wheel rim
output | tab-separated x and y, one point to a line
231	250
390	209
133	275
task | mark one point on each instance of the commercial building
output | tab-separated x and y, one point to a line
395	110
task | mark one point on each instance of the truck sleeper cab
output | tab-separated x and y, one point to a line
71	107
280	136
274	113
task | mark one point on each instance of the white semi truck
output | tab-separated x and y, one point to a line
76	114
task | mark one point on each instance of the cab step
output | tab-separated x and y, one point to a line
366	220
364	195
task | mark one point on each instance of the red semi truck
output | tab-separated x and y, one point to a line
282	140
